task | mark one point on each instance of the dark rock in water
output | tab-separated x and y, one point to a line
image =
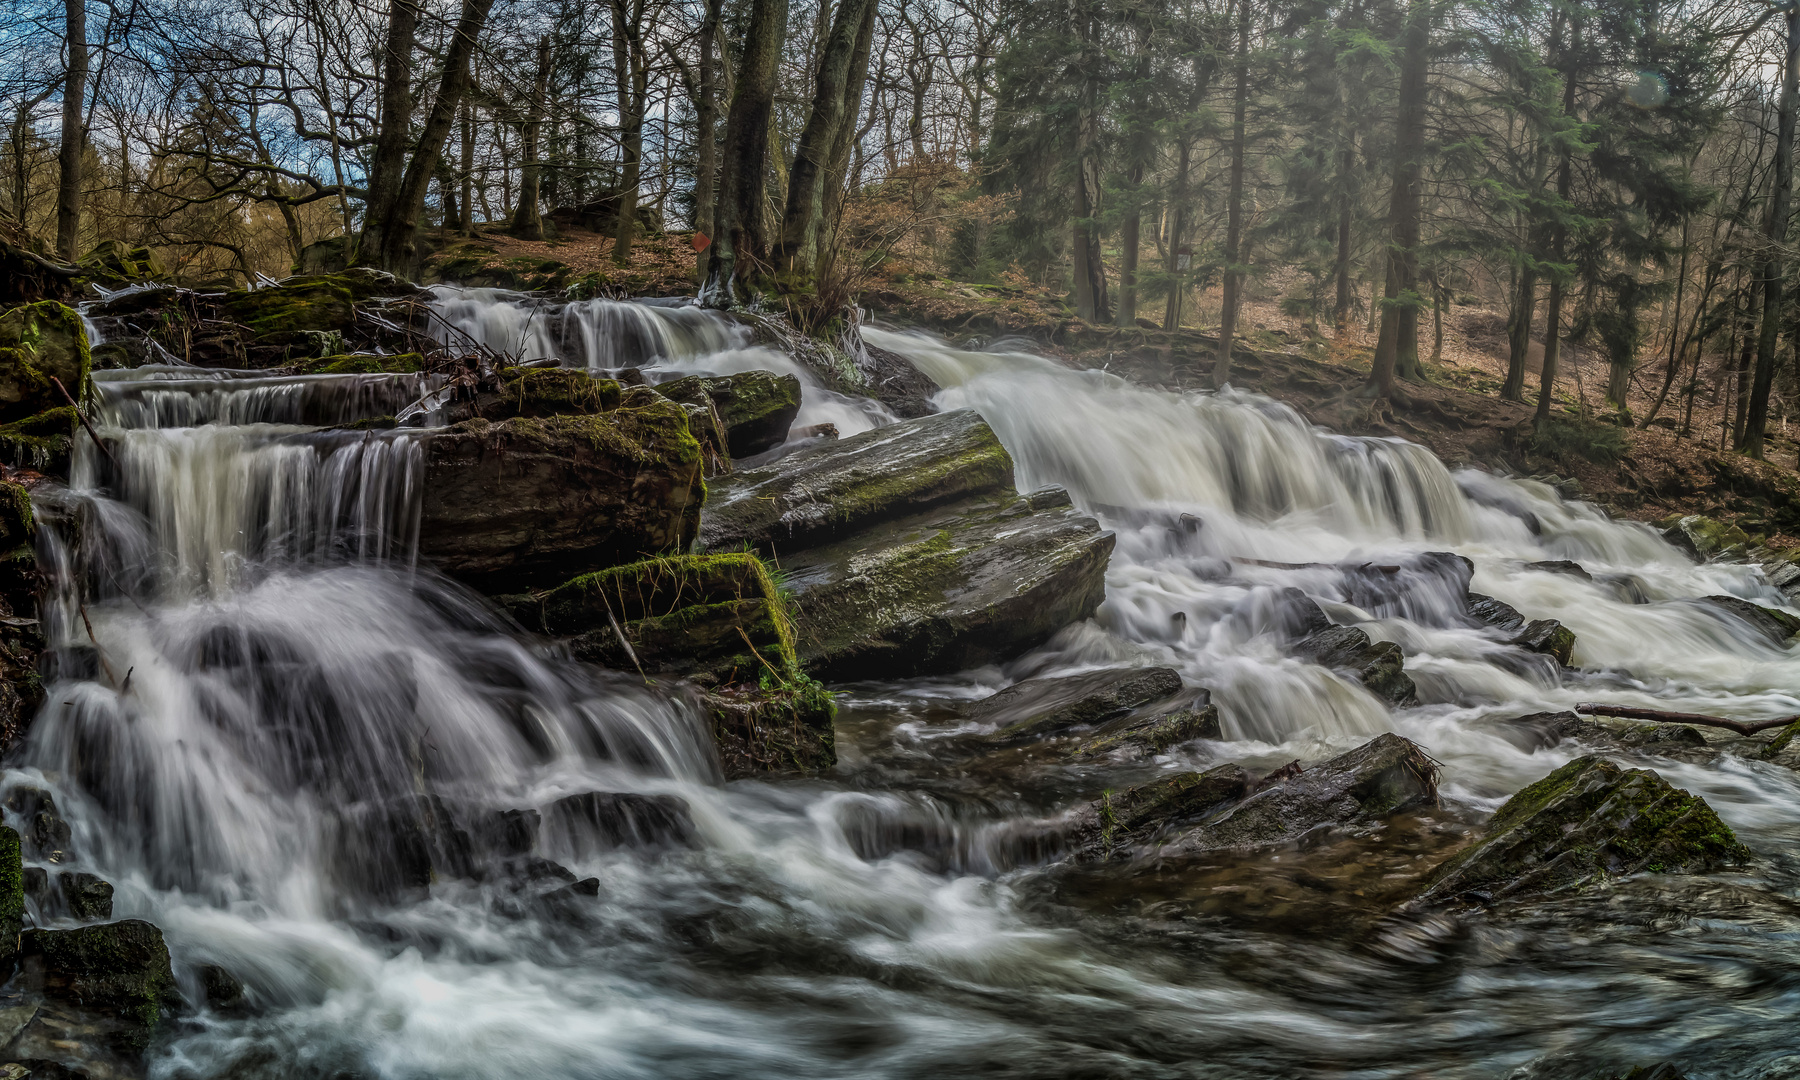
755	408
1380	777
528	501
1561	566
392	849
784	728
1119	825
1037	708
89	898
1549	637
12	895
39	343
1495	613
510	832
37	886
604	821
1299	615
893	380
224	991
1588	821
120	968
949	590
1155	734
1422	587
840	488
1378	665
1536	731
47	835
1778	626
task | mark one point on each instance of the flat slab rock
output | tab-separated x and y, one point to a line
1588	821
1036	708
956	588
837	489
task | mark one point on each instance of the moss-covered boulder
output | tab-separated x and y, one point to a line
322	304
948	589
1583	824
719	614
1706	539
838	489
362	364
1381	777
1037	708
119	970
42	442
529	501
40	343
1378	665
114	262
782	727
1776	626
755	408
548	391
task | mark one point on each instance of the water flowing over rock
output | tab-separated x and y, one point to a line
1378	665
1038	707
1584	823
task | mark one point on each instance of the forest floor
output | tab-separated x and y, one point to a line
1643	474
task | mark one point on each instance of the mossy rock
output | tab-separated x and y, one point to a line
554	392
121	968
755	408
12	895
1153	735
117	262
42	442
38	343
781	728
1706	539
1379	665
321	305
1585	823
1118	823
362	364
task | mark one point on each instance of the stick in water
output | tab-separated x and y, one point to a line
92	434
1627	712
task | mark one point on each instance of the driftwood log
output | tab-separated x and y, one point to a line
1626	712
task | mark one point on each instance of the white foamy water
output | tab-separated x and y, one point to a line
275	713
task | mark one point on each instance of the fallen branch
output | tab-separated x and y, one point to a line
1626	712
79	415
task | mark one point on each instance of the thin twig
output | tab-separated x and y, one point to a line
629	651
92	434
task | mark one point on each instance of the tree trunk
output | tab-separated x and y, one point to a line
468	169
1559	239
837	169
741	247
74	132
833	111
1397	348
632	70
528	218
1091	303
1178	281
706	110
1774	267
1234	204
1346	160
387	167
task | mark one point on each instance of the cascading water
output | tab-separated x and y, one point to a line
272	698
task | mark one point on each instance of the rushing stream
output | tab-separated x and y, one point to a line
267	668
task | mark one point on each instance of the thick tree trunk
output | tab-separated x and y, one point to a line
1518	334
1178	281
837	169
1397	349
741	247
1774	267
706	156
1231	293
631	68
468	169
528	217
1091	302
1559	240
834	109
74	132
387	168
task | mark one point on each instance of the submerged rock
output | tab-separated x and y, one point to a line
964	586
1378	665
224	991
1778	626
1381	777
1036	708
783	728
1588	821
1119	825
1549	637
528	501
605	821
120	969
89	898
755	408
40	344
1156	734
837	489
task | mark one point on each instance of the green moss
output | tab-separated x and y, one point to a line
123	966
644	428
362	364
557	391
1780	742
12	893
42	442
673	593
321	304
39	343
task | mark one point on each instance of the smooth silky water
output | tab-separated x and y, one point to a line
268	669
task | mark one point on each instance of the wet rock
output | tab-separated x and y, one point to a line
42	442
528	501
89	898
720	614
224	991
540	392
1705	539
1119	825
1549	637
1420	587
1383	776
120	969
1536	731
605	821
783	728
46	834
837	489
21	636
114	262
1561	566
510	832
1495	613
392	849
1778	626
756	408
40	344
1378	665
1154	735
1298	615
1038	708
1584	823
12	895
971	584
363	364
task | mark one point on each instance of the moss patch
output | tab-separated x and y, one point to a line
362	364
120	966
42	442
40	342
320	304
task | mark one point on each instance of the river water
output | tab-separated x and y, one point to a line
268	675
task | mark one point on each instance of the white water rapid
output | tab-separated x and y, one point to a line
273	696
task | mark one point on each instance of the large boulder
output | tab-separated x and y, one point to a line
118	970
1120	825
1378	665
1706	539
1588	821
841	488
1777	626
936	592
1036	708
40	344
540	392
525	502
755	408
1381	777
